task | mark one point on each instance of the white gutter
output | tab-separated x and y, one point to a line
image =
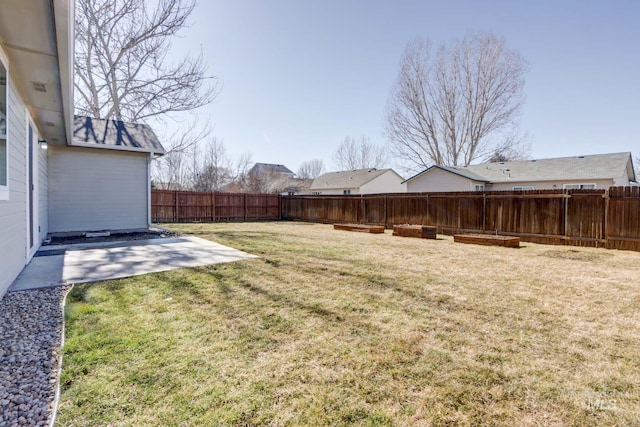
64	21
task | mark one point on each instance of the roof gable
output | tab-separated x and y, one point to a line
262	168
463	173
348	179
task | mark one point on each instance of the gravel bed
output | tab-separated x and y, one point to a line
30	338
114	237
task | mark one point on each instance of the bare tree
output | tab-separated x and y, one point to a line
510	147
215	170
175	170
270	182
455	104
121	67
359	154
310	169
172	171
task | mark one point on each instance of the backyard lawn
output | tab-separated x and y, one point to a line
341	328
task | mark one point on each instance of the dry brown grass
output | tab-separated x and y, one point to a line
341	328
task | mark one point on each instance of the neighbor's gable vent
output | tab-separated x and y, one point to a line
39	87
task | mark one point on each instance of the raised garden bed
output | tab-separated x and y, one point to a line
420	231
375	229
488	239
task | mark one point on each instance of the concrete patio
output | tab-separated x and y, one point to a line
57	265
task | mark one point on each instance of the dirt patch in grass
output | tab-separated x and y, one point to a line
341	328
577	255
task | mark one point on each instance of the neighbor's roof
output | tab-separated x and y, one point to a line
347	179
597	166
464	173
115	135
260	168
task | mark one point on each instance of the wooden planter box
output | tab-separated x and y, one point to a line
420	231
488	239
375	229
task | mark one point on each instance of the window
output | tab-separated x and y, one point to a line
4	146
522	187
479	187
579	186
346	192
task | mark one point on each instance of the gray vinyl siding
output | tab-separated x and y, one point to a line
92	189
436	180
13	212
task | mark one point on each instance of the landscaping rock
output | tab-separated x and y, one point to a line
30	333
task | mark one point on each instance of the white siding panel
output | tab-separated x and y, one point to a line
96	189
13	212
388	182
439	180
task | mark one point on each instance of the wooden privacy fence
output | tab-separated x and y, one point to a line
191	206
598	218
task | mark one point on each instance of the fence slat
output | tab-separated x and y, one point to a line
190	206
596	218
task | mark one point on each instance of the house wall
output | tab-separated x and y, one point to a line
334	191
439	180
388	182
93	189
13	212
622	181
552	185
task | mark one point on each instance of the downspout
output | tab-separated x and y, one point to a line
149	159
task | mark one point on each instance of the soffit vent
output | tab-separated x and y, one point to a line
50	124
39	87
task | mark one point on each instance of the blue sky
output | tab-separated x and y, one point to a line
299	76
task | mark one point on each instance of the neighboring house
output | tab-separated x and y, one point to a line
359	181
58	173
297	186
267	169
268	178
582	172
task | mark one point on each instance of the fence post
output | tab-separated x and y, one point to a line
213	207
245	207
279	207
385	211
428	216
566	216
606	218
176	214
484	211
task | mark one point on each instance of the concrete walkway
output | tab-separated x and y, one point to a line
92	262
